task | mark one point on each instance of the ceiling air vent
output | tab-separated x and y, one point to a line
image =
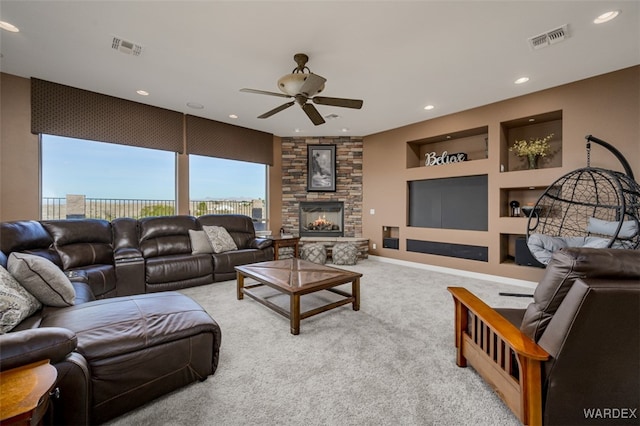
125	46
548	38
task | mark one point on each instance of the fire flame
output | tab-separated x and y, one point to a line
321	221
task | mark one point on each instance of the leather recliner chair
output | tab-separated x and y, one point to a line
573	355
250	248
166	249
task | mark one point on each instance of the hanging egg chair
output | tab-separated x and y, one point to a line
588	207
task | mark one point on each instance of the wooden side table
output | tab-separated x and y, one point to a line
24	393
279	242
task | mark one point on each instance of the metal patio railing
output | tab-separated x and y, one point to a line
79	207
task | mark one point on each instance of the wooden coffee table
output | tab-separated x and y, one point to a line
297	277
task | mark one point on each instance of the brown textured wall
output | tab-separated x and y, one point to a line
19	152
274	188
348	181
607	106
67	111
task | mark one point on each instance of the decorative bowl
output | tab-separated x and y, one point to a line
527	211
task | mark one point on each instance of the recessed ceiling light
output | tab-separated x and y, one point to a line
521	80
606	17
531	120
195	105
344	129
233	116
428	107
9	27
142	92
297	130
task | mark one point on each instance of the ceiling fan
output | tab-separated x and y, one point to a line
302	85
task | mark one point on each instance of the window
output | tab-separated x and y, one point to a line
219	186
87	179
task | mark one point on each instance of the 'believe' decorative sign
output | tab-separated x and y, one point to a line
431	159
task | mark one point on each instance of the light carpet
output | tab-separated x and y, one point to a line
391	363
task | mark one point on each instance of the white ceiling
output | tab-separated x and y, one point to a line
398	56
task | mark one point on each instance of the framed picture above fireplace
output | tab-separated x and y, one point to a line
321	168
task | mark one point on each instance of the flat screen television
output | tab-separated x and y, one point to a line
449	203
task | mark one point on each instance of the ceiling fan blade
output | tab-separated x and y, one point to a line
264	92
313	114
277	110
312	84
339	102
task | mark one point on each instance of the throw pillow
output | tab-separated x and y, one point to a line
199	242
16	303
220	239
42	278
603	227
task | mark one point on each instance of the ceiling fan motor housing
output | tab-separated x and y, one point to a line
303	86
292	83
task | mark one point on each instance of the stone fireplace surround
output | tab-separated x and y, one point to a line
348	181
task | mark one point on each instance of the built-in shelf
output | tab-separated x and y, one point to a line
514	251
391	237
526	128
472	142
508	247
523	196
513	182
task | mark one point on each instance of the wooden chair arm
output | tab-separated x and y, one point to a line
519	342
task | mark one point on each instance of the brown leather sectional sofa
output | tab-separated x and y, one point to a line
128	338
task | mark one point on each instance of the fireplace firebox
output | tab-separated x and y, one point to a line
321	219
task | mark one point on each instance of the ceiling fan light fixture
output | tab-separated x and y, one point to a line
291	84
302	87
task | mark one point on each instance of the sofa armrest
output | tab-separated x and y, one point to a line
27	346
260	243
504	356
130	276
124	254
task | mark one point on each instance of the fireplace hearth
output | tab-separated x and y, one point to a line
321	219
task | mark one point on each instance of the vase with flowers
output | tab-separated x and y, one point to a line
532	149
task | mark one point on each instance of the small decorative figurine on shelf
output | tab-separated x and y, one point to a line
515	208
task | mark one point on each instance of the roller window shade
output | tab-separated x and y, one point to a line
62	110
215	139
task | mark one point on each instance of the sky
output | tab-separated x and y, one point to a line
105	170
